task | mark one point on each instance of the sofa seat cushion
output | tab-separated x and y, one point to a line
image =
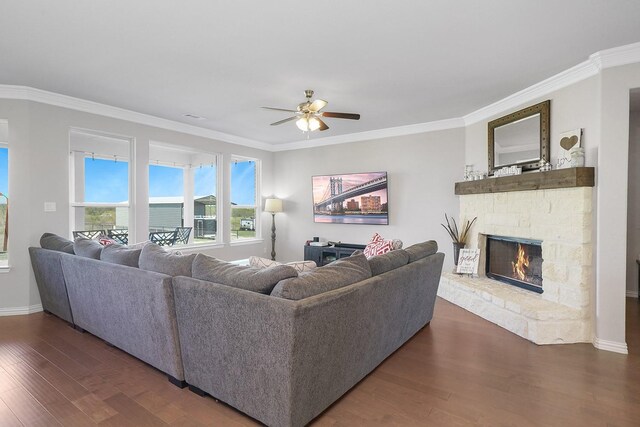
56	243
87	248
386	262
254	279
340	273
155	258
119	254
422	250
300	266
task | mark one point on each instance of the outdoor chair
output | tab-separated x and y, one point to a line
182	235
163	238
120	235
88	234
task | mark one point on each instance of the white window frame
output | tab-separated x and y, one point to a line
258	200
73	178
219	240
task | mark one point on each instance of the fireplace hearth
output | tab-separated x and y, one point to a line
515	261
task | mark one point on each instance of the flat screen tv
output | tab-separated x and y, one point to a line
354	198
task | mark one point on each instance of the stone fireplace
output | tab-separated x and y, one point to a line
551	302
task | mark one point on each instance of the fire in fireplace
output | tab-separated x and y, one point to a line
515	261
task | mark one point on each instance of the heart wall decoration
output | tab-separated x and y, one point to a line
568	140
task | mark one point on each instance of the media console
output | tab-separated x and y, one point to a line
323	255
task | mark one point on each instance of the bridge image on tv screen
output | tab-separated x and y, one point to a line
355	198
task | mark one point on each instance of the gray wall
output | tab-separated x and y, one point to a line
39	172
633	216
422	170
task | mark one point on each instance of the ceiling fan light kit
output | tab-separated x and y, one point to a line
307	114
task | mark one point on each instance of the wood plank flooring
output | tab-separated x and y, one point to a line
459	371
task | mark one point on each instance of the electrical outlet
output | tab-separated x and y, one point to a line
49	206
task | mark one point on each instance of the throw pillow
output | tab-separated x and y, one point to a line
422	250
56	243
391	260
300	266
119	254
105	240
377	246
87	248
155	258
338	274
259	262
254	279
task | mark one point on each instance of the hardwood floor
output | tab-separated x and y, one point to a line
459	371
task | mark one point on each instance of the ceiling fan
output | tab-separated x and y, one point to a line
307	114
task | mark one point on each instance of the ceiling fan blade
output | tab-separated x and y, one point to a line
288	119
351	116
317	105
323	125
279	109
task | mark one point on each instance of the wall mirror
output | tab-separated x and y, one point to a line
520	138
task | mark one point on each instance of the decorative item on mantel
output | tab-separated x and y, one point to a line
545	166
570	141
507	171
459	237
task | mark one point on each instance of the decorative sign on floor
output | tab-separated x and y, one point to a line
468	261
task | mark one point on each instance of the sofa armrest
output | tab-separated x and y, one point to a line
130	308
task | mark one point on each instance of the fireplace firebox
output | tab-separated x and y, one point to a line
515	261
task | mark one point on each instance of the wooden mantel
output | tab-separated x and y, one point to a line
560	178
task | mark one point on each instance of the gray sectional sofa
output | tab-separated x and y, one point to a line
280	352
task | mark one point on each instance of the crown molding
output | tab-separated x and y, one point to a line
617	56
26	93
561	80
373	134
614	346
614	57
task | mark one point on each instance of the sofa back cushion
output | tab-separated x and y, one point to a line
155	258
119	254
422	250
340	273
254	279
391	260
87	248
56	243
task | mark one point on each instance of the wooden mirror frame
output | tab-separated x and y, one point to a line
544	109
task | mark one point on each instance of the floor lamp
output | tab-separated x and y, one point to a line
273	206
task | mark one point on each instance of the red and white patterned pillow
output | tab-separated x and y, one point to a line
105	240
378	246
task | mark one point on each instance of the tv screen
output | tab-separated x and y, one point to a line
355	198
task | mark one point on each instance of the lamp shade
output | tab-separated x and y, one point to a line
273	205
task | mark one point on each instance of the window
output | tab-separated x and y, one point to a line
244	191
179	174
4	192
99	183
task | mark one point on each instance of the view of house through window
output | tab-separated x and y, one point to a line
244	180
178	174
100	184
4	192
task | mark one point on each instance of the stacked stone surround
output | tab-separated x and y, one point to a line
562	219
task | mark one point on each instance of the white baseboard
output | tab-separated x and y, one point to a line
15	311
614	346
632	294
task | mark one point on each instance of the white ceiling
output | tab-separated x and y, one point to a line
394	62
